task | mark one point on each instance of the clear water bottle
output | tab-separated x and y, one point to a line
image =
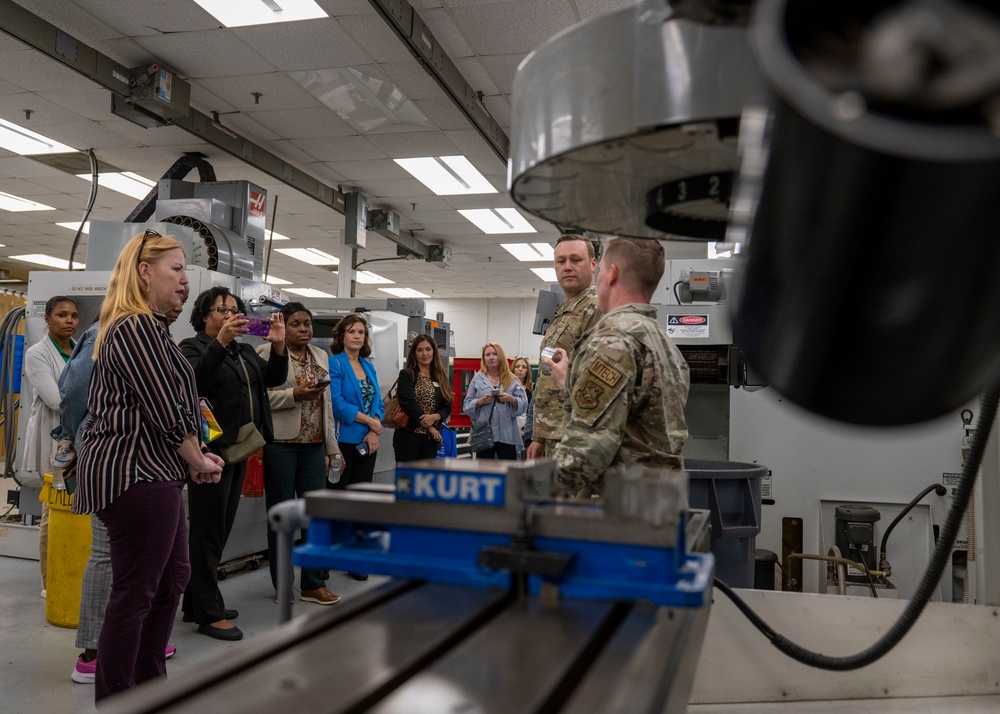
336	462
62	456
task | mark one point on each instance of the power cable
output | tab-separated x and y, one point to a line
90	206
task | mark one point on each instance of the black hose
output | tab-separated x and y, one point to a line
928	582
270	237
936	487
90	206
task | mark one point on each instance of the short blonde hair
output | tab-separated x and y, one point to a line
640	261
128	293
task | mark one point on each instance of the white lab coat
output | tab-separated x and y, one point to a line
42	366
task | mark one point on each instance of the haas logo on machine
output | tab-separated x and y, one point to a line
257	204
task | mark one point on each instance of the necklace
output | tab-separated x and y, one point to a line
301	357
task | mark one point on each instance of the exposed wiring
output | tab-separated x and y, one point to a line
90	206
376	260
928	583
677	297
937	488
871	583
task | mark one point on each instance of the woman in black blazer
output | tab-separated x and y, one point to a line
219	362
425	395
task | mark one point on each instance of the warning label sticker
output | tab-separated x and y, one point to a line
689	327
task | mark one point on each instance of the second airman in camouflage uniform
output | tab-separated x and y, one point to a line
627	384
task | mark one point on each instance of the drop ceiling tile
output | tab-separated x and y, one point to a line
304	123
345	148
476	75
372	33
248	127
499	108
502	69
525	25
399	146
287	151
447	34
206	53
63	183
206	102
324	173
310	44
443	113
335	8
470	143
393	188
412	80
94	104
162	136
92	135
68	16
25	189
592	8
362	170
277	90
26	168
36	72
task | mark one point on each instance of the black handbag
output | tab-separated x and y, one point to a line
481	437
248	439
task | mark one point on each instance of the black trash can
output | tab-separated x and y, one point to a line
731	492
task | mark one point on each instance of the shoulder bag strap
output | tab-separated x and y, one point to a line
247	375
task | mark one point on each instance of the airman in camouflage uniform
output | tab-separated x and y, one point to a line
574	263
627	384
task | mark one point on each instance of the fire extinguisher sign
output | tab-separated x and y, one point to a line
257	204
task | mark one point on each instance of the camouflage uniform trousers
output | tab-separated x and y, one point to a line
573	318
624	401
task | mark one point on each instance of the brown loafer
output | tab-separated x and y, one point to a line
321	596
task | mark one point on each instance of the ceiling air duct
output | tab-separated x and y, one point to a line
627	124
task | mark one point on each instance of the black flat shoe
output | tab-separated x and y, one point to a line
232	634
230	615
358	576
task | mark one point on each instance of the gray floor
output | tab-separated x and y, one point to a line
36	658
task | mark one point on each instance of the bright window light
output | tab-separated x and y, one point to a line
403	292
261	12
275	236
447	175
529	252
546	274
47	260
73	225
723	250
17	204
309	255
27	143
372	279
125	182
309	293
498	220
276	281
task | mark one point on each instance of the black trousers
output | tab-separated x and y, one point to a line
501	451
211	511
358	468
409	446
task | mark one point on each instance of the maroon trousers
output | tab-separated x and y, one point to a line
149	567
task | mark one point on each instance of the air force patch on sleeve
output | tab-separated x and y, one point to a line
605	372
588	395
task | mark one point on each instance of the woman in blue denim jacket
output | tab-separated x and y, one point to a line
497	396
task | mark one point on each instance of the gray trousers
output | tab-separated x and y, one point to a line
96	587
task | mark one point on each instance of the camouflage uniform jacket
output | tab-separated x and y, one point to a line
625	397
573	317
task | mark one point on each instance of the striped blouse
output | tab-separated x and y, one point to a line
143	402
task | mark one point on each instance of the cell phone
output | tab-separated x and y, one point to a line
258	326
322	383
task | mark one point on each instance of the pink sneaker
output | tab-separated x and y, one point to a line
171	651
84	672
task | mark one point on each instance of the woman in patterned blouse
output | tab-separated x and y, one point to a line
425	396
143	438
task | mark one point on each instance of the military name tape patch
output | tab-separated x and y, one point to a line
588	394
605	372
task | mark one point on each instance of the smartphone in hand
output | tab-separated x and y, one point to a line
258	326
322	383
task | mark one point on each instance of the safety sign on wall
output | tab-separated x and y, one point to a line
689	327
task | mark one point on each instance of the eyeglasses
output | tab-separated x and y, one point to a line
147	234
226	310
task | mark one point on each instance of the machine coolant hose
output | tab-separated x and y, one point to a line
927	584
936	487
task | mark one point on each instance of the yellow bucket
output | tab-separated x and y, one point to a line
69	550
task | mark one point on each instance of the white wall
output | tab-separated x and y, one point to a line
475	322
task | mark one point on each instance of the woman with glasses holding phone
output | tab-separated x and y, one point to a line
425	396
497	397
140	443
234	379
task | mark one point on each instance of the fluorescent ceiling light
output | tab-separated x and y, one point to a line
364	98
498	220
261	12
529	252
372	279
309	293
404	292
125	182
274	236
447	175
47	260
276	281
309	255
27	143
74	225
17	204
546	274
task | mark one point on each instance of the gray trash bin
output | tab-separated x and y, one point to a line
731	492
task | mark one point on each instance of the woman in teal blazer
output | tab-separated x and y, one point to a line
356	399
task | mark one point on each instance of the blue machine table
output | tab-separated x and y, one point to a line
503	601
